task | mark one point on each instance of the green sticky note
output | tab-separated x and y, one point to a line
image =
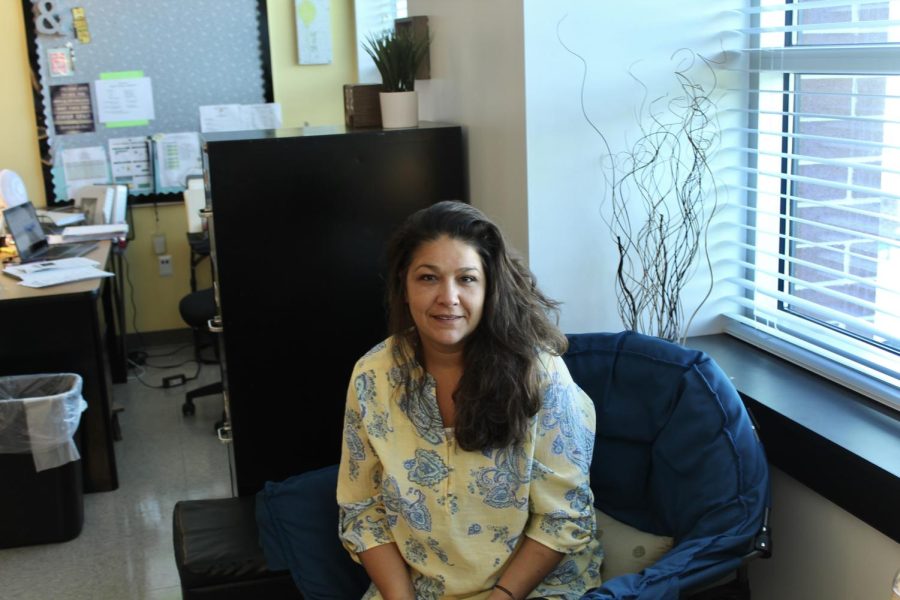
122	75
126	124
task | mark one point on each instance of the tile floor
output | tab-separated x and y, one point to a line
125	549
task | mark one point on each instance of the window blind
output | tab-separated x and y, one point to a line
819	234
372	18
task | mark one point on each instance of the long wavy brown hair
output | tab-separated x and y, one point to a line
499	391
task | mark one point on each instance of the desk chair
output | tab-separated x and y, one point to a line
196	309
199	245
198	242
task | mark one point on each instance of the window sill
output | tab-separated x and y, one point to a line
840	444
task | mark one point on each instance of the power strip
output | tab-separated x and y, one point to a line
174	380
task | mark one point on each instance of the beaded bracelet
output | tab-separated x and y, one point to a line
497	586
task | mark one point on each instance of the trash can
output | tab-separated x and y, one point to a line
40	468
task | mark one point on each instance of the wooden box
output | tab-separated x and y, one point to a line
362	107
419	28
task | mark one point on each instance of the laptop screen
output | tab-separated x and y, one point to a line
25	228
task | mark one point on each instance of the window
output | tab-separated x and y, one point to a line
822	266
372	18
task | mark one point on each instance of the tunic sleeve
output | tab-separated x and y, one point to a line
363	523
561	501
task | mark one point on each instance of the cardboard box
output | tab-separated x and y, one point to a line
362	107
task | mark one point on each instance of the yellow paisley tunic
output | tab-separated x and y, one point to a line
457	516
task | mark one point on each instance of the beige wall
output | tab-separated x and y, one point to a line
478	81
821	551
310	94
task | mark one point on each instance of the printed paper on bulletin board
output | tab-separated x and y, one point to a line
72	108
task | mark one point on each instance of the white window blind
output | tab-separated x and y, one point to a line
820	273
374	17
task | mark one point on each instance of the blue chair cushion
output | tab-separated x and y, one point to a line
298	529
675	454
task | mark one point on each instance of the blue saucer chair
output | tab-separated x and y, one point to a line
675	455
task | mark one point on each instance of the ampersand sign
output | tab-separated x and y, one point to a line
48	21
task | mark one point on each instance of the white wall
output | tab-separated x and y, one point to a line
821	551
477	81
571	250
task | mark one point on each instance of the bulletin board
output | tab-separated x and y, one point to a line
145	68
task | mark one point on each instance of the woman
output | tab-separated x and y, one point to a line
464	470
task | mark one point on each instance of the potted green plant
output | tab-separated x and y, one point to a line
397	55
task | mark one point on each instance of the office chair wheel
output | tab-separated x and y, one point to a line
220	424
188	409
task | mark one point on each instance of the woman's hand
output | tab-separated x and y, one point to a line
497	594
528	567
388	571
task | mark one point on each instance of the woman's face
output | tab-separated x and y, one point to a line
445	287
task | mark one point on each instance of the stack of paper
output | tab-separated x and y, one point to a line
60	218
86	233
55	272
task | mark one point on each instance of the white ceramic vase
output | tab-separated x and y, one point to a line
399	109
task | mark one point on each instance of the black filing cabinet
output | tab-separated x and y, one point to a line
299	221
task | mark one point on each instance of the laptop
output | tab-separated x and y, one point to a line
31	241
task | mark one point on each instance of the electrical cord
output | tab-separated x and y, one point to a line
142	355
170	353
137	332
146	365
139	371
175	366
129	218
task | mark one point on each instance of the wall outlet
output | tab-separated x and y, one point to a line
165	265
159	243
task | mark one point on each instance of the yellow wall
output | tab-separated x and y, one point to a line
310	94
157	297
18	141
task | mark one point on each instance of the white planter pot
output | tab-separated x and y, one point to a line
399	109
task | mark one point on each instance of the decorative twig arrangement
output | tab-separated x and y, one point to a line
663	196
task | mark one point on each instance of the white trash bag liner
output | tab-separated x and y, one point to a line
39	414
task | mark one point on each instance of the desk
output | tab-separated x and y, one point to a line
114	311
70	328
